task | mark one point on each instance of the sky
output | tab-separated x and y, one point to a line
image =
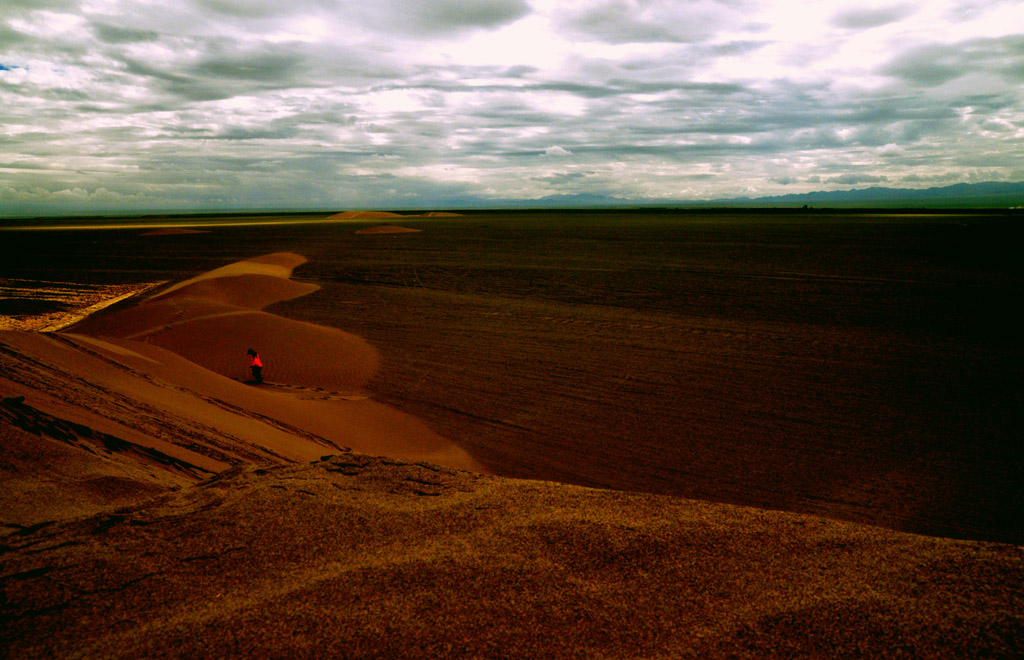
129	105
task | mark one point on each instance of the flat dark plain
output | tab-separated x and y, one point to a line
863	366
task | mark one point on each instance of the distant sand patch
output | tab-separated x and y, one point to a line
172	231
388	229
441	214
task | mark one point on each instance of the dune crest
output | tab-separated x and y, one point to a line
278	264
213	318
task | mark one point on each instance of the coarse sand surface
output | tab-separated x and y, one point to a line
360	557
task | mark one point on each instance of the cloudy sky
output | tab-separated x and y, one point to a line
152	104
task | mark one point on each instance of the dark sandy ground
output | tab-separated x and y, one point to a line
154	504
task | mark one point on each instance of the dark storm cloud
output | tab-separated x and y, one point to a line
432	18
563	178
428	16
10	38
22	7
252	67
450	15
112	34
859	19
626	21
854	179
935	64
249	8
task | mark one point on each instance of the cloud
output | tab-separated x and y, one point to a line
264	102
428	19
563	178
851	179
253	67
625	21
112	34
864	18
932	65
452	15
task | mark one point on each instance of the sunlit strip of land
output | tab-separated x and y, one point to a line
206	222
166	225
82	301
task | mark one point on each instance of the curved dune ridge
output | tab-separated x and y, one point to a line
212	319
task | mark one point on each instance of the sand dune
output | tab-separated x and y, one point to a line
168	375
214	318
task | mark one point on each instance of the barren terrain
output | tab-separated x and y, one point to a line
517	435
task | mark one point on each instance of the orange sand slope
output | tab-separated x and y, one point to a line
161	382
358	557
116	409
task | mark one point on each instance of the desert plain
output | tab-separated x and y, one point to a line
644	434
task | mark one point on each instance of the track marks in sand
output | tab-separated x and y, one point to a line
311	393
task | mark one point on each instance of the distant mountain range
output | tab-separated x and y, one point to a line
991	194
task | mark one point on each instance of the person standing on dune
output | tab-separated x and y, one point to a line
256	364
